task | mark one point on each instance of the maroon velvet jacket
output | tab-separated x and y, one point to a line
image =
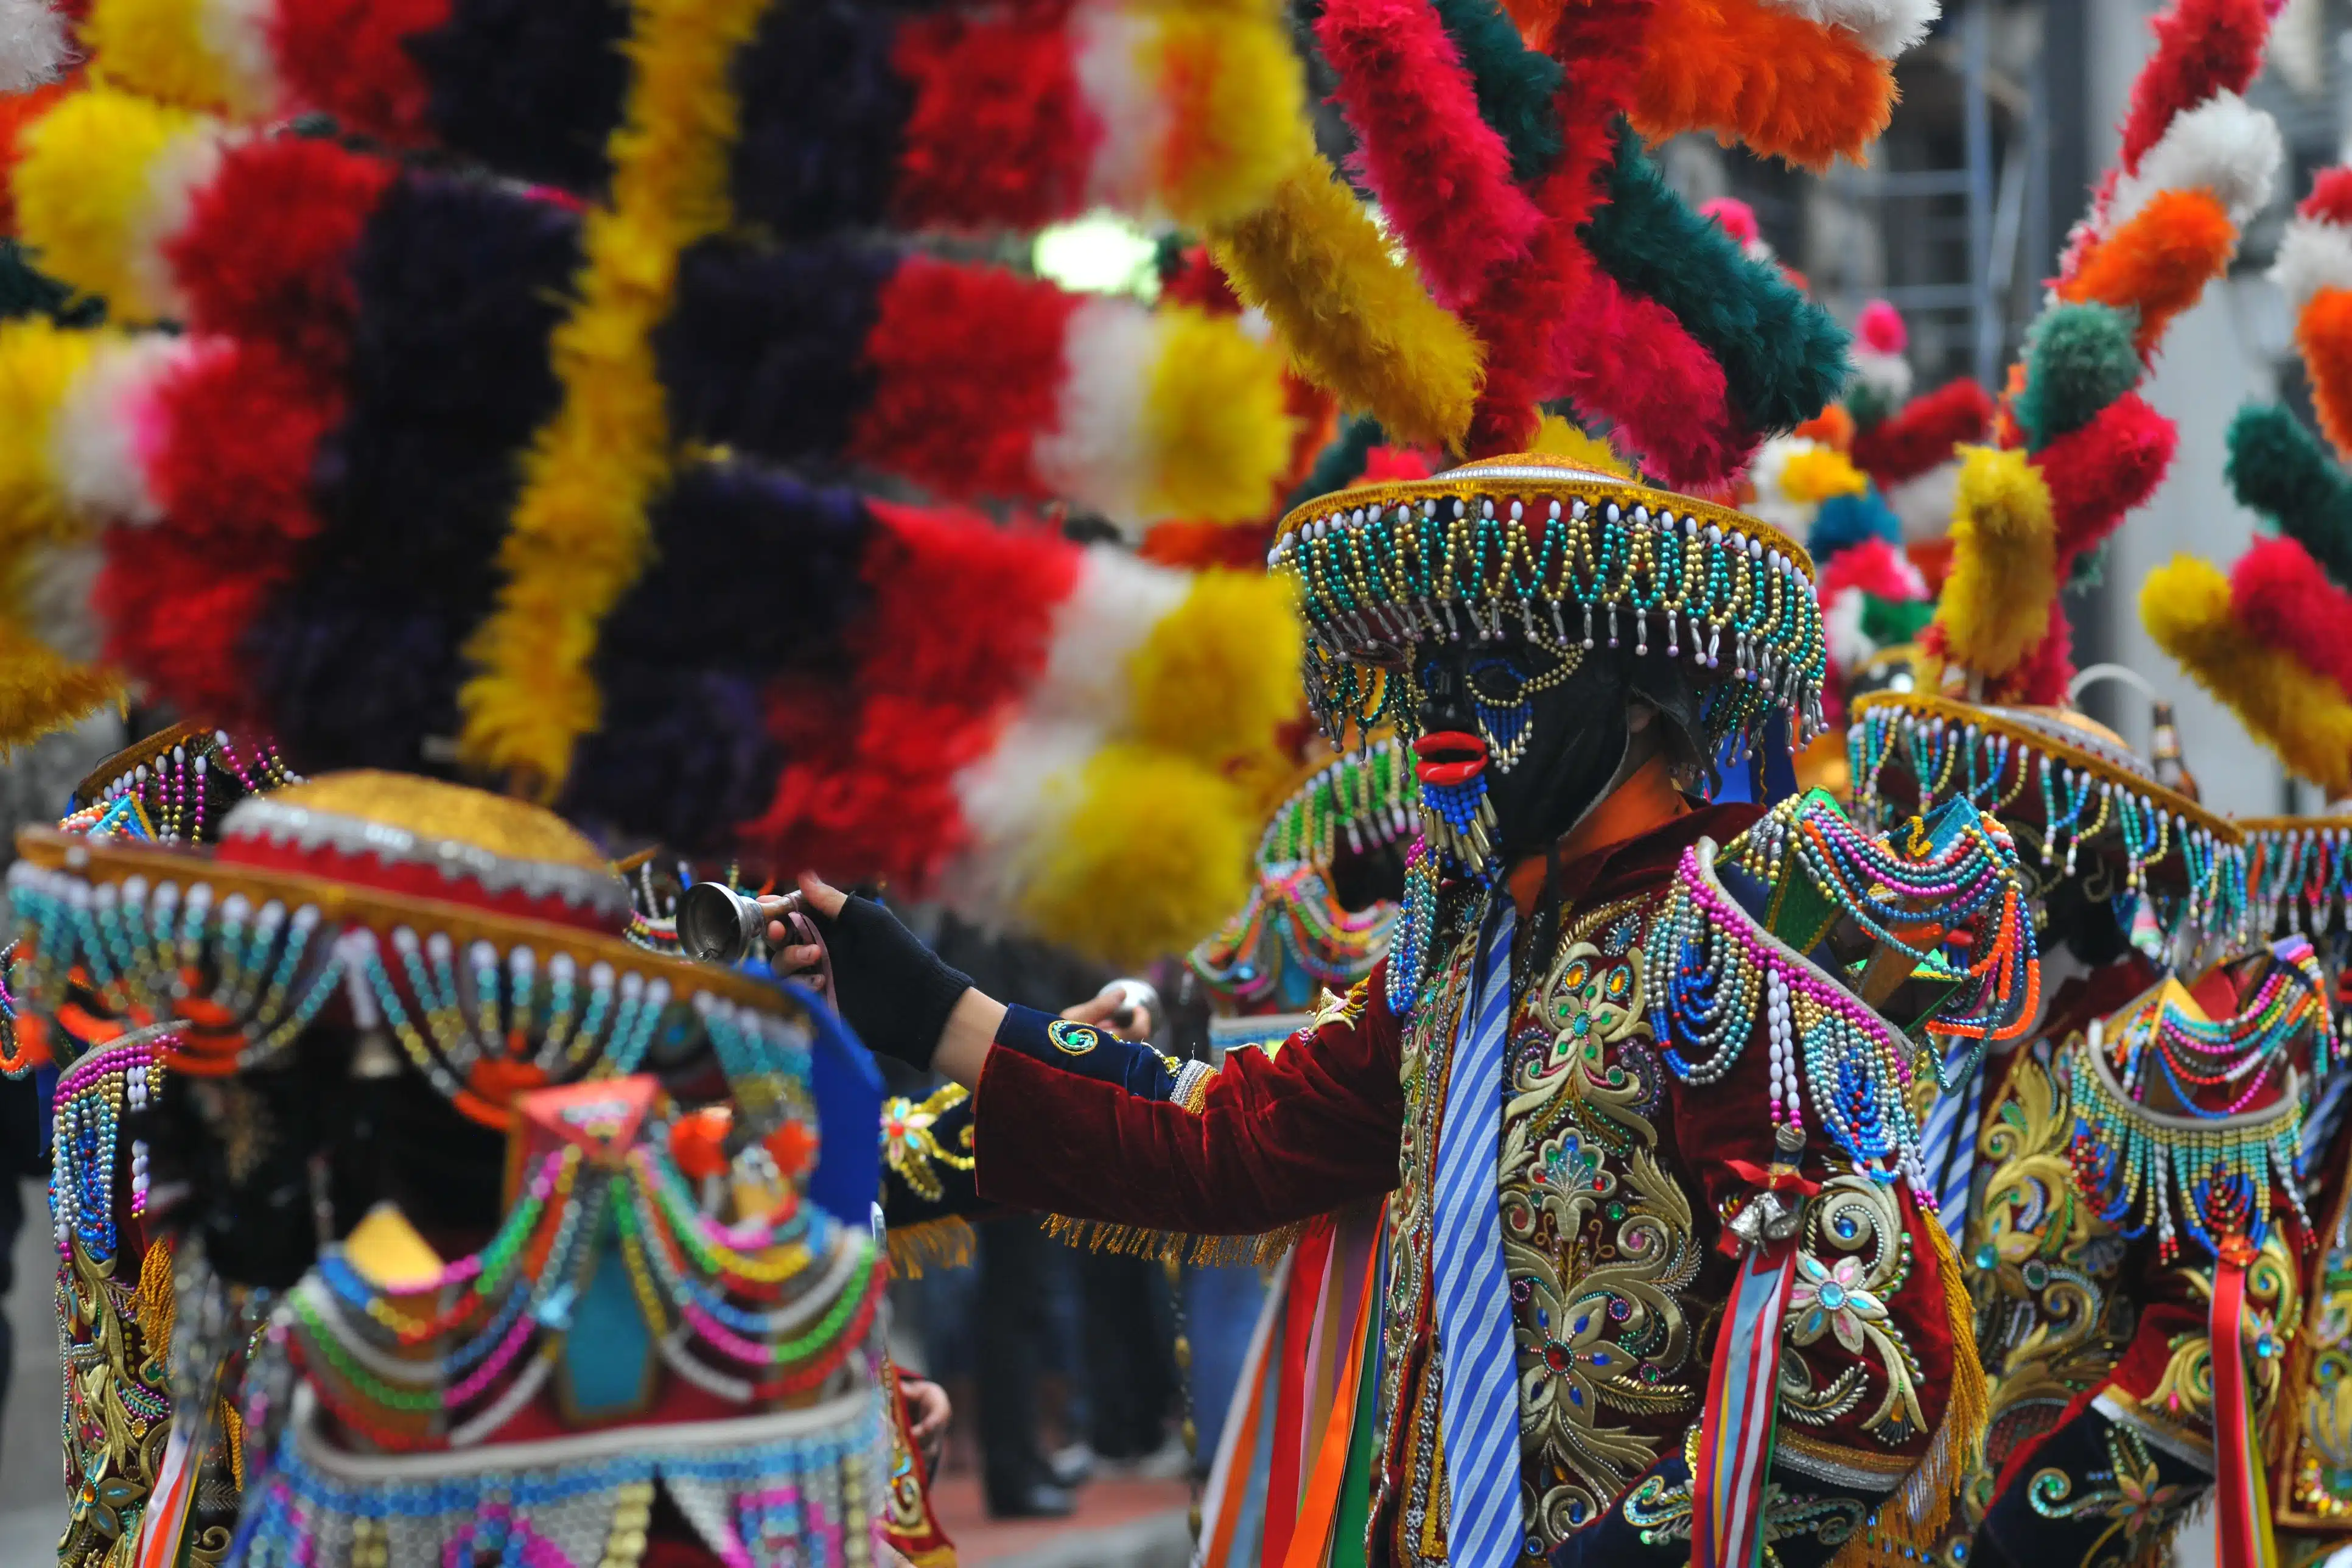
1611	1177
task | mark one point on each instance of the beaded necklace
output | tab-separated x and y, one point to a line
1716	977
498	1318
2143	1168
2239	1054
1719	974
2191	865
93	1097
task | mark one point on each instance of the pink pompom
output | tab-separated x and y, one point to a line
1738	219
1880	327
2331	197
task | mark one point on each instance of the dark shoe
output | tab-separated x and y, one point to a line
1041	1501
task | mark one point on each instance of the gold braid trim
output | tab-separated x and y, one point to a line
156	1304
232	1439
1909	1525
934	1243
1201	1251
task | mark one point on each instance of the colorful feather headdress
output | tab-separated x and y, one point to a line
520	450
2075	449
2078	448
2267	638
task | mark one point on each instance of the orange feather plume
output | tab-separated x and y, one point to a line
1755	73
2324	333
2159	262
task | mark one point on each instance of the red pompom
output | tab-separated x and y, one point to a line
241	425
1395	465
1627	360
962	610
968	365
2330	200
2280	594
1880	328
2098	473
18	110
349	58
1873	566
266	252
1922	433
175	612
1000	134
1441	173
2202	47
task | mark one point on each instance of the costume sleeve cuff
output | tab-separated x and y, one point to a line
1090	1052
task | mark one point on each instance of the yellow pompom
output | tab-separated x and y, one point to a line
1814	473
1220	673
1153	855
102	182
38	363
1216	420
2296	711
1234	91
1556	437
1356	318
163	50
1996	602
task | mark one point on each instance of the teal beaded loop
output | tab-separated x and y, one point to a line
2185	867
268	973
1565	558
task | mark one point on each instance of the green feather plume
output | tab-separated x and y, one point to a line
2281	470
2078	359
1515	85
1783	358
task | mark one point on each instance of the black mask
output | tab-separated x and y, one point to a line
1544	738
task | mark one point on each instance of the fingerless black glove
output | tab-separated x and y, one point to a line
894	991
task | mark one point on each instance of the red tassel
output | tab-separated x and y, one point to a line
350	58
266	252
2202	47
242	425
1000	134
968	433
2098	473
1873	566
2280	594
1627	360
1922	433
1441	173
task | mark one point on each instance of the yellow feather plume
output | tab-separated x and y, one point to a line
1814	474
1996	602
41	690
38	363
1216	419
1356	318
578	537
1217	676
92	196
1238	93
1555	436
1154	855
163	50
2296	711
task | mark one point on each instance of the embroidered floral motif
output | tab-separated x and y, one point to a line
1854	1255
2315	1470
1660	1509
910	1144
2141	1509
1596	1235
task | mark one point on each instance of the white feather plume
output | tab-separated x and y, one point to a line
2313	254
2223	145
33	45
1886	27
